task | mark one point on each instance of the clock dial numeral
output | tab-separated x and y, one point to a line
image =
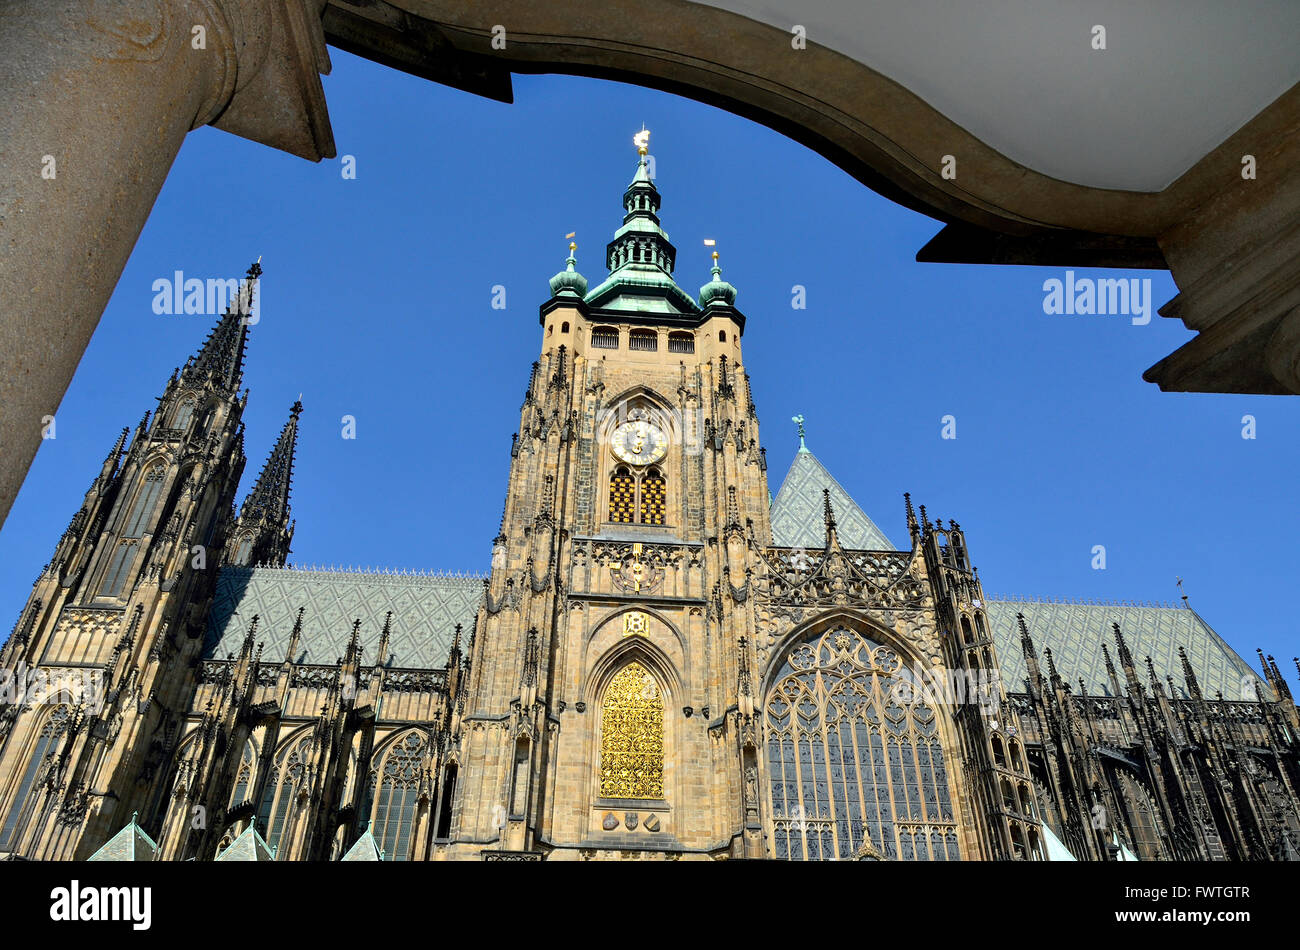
639	443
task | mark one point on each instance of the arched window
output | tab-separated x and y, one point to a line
1008	797
1036	846
622	496
1016	762
519	783
184	413
45	743
564	327
999	752
681	342
447	800
118	569
852	767
644	340
145	499
632	736
1027	802
397	796
243	551
1018	850
722	336
277	801
244	777
966	635
605	338
638	496
654	497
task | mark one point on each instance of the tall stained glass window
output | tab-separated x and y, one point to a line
48	736
855	767
397	797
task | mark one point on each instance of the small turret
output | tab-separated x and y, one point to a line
568	282
717	292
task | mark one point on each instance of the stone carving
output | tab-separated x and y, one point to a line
609	822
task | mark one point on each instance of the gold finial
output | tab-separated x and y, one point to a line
573	246
642	140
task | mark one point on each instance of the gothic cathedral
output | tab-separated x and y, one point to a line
663	662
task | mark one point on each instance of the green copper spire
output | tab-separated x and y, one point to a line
641	257
798	420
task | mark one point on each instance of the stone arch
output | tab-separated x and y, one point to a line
616	619
823	622
634	648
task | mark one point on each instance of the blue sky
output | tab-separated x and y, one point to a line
376	303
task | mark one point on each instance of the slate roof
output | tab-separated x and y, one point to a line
797	514
426	609
1076	631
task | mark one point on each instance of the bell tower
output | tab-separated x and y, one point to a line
606	665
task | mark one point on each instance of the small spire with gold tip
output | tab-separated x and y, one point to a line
717	290
569	279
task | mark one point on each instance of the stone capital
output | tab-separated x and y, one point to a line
276	97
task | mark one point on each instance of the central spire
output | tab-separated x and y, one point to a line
640	258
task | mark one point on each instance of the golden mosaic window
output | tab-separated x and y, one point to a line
855	765
654	497
638	498
632	736
622	497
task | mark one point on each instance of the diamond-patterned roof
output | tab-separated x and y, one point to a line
129	844
426	609
1075	633
797	514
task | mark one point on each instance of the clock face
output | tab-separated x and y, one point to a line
639	443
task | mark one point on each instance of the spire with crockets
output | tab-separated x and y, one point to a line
263	530
222	357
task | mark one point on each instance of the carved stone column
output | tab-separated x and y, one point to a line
95	99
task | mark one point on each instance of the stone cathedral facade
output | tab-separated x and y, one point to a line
662	662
